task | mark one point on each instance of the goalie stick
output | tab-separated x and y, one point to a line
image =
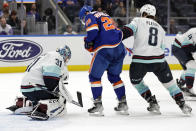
68	95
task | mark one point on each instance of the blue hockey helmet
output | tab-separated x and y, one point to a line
83	11
65	52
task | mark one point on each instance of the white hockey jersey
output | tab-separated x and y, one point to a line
149	39
186	39
49	64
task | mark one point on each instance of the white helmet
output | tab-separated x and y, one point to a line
149	9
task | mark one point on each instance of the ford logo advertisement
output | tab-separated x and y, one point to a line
18	50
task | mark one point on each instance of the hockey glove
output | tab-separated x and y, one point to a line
88	45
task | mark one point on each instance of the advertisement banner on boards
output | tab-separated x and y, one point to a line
20	51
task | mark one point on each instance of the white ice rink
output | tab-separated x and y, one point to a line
78	119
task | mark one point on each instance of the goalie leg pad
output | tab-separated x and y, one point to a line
48	109
22	106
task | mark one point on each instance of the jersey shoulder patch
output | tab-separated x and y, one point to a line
90	22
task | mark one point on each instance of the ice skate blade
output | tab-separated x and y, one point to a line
190	98
189	114
125	113
97	114
155	112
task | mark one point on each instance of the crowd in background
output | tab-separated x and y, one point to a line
117	9
13	19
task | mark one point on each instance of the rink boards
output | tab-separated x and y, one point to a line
16	52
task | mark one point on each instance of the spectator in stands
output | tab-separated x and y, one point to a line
34	12
5	6
6	11
5	29
13	20
109	8
24	25
120	11
69	2
139	3
173	29
98	5
70	8
50	18
16	23
13	5
114	5
69	30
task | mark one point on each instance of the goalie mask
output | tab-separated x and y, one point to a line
149	9
83	11
65	52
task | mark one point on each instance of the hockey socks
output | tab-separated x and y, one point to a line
143	90
119	89
96	89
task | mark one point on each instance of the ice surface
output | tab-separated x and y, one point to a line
78	119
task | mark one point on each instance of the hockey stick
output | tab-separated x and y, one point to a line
129	50
68	98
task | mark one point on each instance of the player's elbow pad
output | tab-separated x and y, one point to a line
51	82
127	32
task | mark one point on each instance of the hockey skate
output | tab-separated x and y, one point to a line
153	105
97	109
186	109
189	94
122	107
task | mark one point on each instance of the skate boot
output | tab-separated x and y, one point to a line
97	109
122	107
186	109
180	83
153	105
189	92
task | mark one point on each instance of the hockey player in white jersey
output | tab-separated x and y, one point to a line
42	87
148	56
183	48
